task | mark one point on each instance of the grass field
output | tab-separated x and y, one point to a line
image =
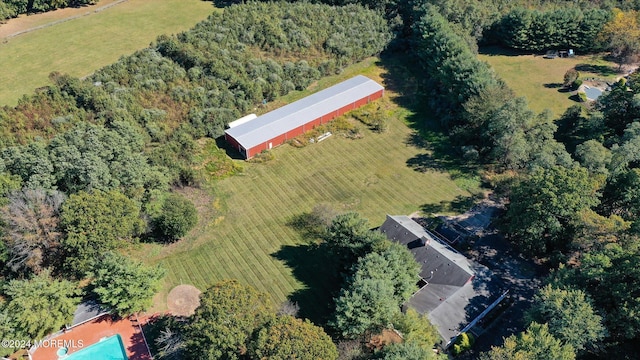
243	232
539	79
83	45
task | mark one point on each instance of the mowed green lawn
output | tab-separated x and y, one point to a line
538	79
83	45
244	238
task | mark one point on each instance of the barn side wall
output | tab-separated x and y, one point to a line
281	139
234	143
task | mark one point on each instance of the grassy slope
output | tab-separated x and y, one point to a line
368	175
80	46
538	79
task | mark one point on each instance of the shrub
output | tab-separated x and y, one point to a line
379	124
463	343
6	12
177	216
570	77
582	96
263	157
576	84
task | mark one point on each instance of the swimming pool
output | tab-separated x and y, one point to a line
110	348
592	93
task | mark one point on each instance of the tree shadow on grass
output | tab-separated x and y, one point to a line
224	3
312	265
404	76
424	163
306	224
602	70
552	85
458	205
497	50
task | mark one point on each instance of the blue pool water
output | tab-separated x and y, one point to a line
592	93
111	348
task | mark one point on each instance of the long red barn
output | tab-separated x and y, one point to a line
276	127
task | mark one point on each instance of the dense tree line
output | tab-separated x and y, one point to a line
478	111
563	204
540	30
522	24
12	8
86	166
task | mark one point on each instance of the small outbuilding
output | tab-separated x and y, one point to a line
278	126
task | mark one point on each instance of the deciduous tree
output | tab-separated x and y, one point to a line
611	277
622	36
94	223
177	216
227	316
365	304
569	315
286	337
32	235
406	351
544	204
536	343
594	157
416	329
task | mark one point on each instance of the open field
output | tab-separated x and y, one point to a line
539	79
82	45
248	237
25	23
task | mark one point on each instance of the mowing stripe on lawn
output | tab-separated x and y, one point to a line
368	175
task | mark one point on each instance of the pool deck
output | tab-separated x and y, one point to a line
89	333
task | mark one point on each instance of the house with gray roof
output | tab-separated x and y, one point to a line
453	290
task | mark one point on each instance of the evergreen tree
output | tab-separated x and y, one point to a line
40	305
124	285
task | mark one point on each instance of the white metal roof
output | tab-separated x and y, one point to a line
289	117
242	120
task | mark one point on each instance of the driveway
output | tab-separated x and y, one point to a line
520	276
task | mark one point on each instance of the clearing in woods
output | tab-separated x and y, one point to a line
243	232
84	44
540	80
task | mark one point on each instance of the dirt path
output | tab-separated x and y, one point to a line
24	24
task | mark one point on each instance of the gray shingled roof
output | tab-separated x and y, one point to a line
454	312
441	264
289	117
449	299
86	311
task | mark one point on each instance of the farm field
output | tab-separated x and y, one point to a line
81	45
248	237
539	79
26	23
